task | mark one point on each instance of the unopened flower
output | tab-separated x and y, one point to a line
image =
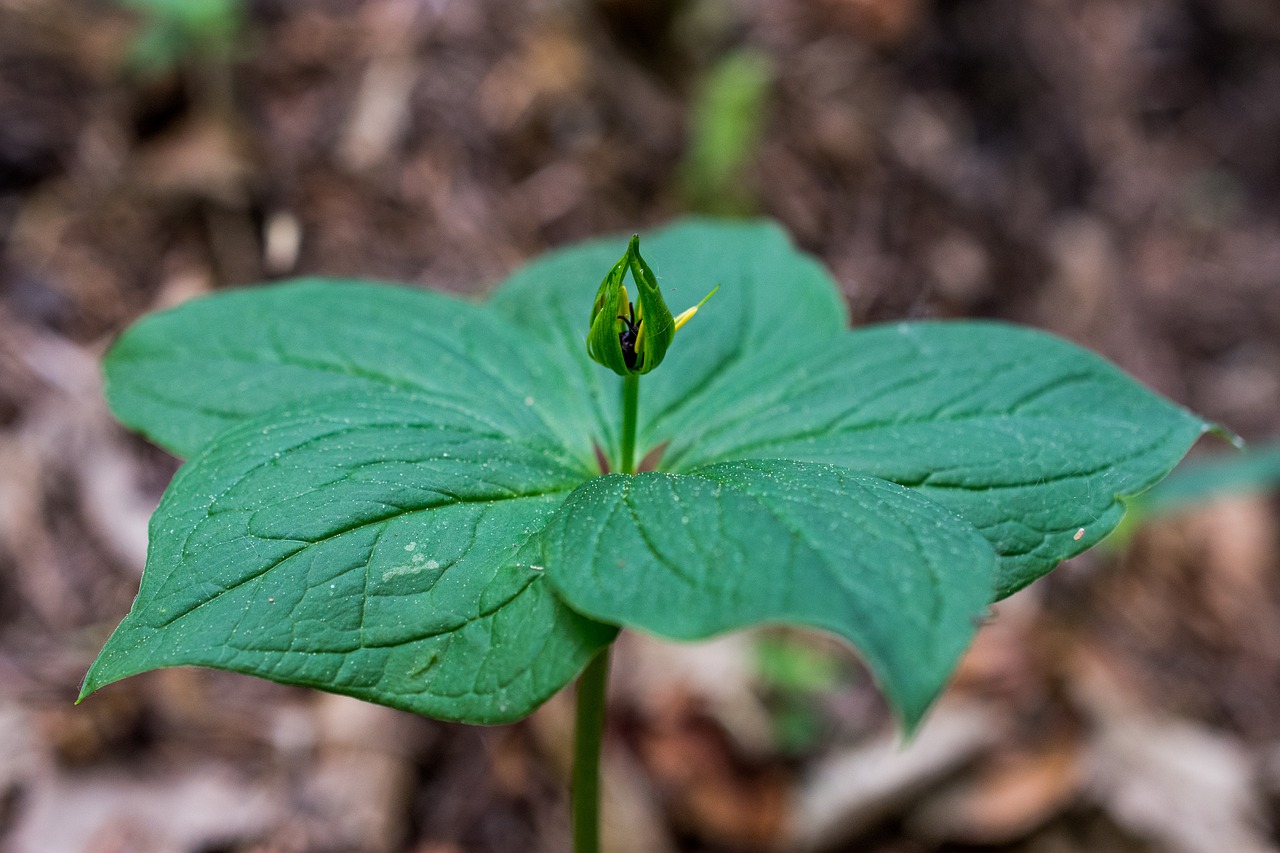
628	337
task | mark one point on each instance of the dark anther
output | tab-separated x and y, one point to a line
627	337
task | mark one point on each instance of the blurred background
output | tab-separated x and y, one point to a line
1105	169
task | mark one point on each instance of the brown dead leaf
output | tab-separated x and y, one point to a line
361	787
716	677
200	807
715	785
847	794
1239	540
1006	799
204	157
1180	785
550	64
878	22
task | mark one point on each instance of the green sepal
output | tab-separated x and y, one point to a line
658	326
603	344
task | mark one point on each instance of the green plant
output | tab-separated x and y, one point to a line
1200	481
793	675
396	495
174	31
1255	470
726	123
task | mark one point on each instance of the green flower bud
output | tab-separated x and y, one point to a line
632	338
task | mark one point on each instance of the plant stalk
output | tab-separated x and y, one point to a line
589	725
586	754
630	405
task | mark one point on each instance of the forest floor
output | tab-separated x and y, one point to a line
1103	169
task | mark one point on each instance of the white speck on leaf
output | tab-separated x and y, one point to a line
416	565
1079	534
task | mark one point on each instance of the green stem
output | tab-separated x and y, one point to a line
586	754
589	726
630	405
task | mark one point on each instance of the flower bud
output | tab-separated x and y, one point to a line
632	338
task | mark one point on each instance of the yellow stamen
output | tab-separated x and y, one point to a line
685	315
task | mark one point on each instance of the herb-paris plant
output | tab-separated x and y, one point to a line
395	494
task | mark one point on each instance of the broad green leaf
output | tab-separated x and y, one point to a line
184	375
1034	441
367	544
689	555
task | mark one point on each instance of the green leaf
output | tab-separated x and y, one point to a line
726	546
184	375
1033	440
366	544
